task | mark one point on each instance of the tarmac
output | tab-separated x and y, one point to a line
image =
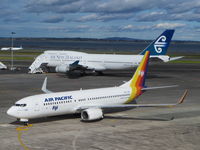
142	128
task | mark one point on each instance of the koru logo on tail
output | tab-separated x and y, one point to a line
160	43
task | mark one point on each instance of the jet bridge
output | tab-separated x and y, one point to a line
36	66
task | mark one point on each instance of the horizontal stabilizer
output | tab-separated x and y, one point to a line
44	87
159	87
165	58
175	58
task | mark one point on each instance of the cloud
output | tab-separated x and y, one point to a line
68	29
169	25
105	17
186	17
100	17
89	17
82	27
181	6
85	6
128	27
55	28
151	16
54	19
56	6
162	26
135	28
110	6
15	19
108	10
120	6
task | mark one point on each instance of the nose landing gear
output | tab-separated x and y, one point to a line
25	121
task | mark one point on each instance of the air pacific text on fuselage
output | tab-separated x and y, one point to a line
60	98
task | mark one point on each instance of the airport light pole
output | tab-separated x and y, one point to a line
12	33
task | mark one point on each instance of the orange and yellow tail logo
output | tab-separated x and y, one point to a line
138	80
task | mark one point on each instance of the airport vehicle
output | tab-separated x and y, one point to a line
11	48
68	61
92	103
2	66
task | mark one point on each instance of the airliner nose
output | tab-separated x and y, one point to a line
10	111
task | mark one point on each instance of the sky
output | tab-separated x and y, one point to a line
141	19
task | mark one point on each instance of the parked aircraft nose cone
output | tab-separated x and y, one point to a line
10	112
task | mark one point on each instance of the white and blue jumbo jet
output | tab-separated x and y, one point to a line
69	61
92	103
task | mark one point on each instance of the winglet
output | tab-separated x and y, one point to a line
183	97
44	87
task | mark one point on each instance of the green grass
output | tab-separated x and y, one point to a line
185	61
193	56
22	52
16	58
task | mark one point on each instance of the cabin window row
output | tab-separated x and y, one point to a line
113	96
80	100
61	102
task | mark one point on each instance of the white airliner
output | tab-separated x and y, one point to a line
11	48
91	104
67	61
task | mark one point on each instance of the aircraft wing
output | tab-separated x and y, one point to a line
137	105
95	66
158	87
76	66
90	66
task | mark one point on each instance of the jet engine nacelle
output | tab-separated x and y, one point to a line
91	114
62	68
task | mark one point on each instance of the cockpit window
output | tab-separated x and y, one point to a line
20	105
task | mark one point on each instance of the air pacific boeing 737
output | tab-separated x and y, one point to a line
68	61
92	103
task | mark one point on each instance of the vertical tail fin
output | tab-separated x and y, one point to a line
138	79
137	82
160	45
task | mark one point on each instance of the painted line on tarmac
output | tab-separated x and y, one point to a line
19	131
